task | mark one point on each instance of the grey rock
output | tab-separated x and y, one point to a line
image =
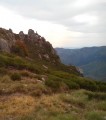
10	30
21	35
46	56
79	70
4	45
40	56
45	66
32	36
30	32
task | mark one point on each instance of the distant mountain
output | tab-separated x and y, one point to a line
91	59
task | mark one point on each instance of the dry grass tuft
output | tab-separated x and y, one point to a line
16	105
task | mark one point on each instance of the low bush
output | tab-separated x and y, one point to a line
57	83
15	76
71	84
93	115
101	105
54	83
97	96
62	74
102	87
20	48
85	83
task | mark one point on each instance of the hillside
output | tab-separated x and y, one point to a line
92	60
35	85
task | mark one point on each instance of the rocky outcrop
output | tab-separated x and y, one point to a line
7	39
21	35
31	44
4	45
46	56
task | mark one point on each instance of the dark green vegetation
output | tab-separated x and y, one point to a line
24	76
56	77
92	60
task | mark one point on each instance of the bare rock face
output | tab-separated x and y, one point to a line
53	51
11	37
10	30
21	35
34	37
30	32
80	70
7	39
31	35
4	45
46	56
40	57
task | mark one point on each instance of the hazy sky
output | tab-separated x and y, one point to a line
65	23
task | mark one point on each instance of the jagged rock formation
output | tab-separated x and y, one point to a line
31	45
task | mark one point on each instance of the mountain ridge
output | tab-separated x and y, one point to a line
85	56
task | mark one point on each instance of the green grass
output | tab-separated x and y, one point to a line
70	106
96	95
96	115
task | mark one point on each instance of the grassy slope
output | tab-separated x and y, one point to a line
75	105
39	93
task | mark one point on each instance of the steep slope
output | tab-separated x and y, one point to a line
91	59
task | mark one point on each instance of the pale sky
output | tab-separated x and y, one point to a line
64	23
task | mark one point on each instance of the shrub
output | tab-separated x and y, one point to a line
62	74
71	84
102	88
85	83
93	115
97	96
20	48
101	105
16	76
54	83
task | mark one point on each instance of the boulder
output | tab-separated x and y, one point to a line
4	45
46	56
30	32
21	35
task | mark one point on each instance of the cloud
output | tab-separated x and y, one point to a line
85	17
63	12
